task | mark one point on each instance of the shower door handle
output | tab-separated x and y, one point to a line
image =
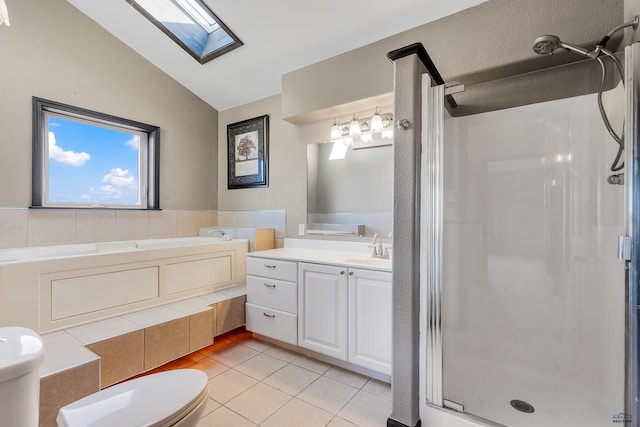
624	248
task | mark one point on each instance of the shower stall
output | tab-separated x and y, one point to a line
528	279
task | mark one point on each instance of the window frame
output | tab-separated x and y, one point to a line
181	39
149	156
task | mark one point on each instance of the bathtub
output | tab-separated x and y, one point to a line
50	288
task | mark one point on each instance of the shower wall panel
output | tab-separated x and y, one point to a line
533	294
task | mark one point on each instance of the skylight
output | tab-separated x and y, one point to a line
192	25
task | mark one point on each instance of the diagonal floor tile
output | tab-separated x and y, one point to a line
367	410
228	385
260	366
291	379
297	413
223	417
328	394
258	403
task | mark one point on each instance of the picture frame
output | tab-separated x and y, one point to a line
248	153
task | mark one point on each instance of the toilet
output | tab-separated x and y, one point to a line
21	354
172	398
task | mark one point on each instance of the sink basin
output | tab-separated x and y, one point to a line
373	262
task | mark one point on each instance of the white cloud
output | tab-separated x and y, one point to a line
67	157
134	142
117	182
85	197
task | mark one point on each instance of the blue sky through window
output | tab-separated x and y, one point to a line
89	163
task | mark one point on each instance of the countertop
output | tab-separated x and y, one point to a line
353	259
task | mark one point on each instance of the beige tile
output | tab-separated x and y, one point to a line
52	227
244	218
208	218
228	385
229	314
166	342
211	406
227	219
347	377
258	403
65	387
312	364
367	410
265	239
339	422
291	379
235	355
255	344
378	388
132	225
260	366
282	353
187	223
296	413
209	367
223	417
95	225
279	243
328	394
13	228
200	330
162	224
120	358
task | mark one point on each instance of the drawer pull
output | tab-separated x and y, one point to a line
270	266
269	286
270	316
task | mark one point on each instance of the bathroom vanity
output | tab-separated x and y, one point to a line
330	298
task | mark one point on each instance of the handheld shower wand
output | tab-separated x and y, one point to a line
549	44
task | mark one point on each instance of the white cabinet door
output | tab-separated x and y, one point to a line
322	309
370	319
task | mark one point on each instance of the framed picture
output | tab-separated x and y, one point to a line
248	153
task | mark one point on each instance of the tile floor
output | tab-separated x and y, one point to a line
254	383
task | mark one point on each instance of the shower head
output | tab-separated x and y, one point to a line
547	45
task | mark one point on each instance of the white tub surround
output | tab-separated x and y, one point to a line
330	300
56	287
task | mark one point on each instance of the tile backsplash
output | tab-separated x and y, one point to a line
276	219
41	227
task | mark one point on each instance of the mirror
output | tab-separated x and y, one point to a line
351	196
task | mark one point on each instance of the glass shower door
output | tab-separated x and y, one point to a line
532	293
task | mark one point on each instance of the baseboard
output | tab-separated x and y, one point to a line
393	423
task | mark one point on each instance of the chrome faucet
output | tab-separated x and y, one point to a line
377	250
225	236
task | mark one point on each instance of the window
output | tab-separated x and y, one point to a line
192	25
82	158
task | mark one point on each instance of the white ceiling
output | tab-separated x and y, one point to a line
278	35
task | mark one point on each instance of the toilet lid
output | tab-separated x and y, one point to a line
153	400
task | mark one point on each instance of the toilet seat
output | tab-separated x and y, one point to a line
156	400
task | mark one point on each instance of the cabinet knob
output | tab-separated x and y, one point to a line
270	266
269	285
270	316
351	273
342	272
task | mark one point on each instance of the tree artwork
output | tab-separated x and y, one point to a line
245	147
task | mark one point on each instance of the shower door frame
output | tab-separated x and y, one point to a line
432	228
632	225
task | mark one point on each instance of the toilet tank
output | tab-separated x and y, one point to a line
21	353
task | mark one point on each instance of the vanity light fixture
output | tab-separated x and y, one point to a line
336	130
376	122
4	14
354	127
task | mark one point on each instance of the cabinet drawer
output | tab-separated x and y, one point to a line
273	269
271	323
272	293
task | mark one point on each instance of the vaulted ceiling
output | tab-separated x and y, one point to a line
281	36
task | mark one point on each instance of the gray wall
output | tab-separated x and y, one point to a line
53	51
484	43
287	163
